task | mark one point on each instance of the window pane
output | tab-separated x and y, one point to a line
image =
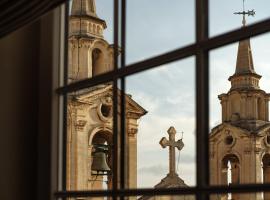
90	48
223	19
157	26
239	115
158	100
89	159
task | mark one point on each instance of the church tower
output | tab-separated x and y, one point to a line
240	145
90	111
89	53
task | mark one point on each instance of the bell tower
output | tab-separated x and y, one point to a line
239	146
89	54
90	111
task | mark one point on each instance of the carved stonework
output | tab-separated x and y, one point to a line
247	150
80	125
132	132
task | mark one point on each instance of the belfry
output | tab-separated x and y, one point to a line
90	111
240	145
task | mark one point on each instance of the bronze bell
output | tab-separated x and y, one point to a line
99	163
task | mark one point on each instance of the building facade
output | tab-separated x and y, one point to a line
90	113
240	145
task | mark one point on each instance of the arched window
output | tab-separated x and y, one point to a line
102	138
230	173
97	62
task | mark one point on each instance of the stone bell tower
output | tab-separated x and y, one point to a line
240	145
90	112
89	53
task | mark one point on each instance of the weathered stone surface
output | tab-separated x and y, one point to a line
239	143
90	112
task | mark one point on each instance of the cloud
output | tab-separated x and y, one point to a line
154	170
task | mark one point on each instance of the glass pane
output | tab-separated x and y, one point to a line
89	159
161	101
239	112
157	26
223	19
90	48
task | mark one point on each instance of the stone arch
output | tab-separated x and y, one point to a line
100	135
230	169
266	173
97	61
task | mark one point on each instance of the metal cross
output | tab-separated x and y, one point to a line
244	13
172	144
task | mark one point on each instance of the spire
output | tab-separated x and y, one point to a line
244	62
84	7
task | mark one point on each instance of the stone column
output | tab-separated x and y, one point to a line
82	155
249	107
224	109
255	107
266	109
132	158
243	114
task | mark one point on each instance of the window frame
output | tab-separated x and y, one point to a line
200	49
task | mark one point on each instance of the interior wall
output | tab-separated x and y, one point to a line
19	61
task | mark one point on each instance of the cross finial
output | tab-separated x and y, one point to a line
172	144
244	13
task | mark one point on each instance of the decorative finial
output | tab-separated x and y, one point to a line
244	13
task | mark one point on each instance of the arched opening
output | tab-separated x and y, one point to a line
230	174
99	182
266	173
97	62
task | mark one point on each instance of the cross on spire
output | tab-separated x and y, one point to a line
244	13
172	144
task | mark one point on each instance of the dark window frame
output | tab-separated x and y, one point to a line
200	49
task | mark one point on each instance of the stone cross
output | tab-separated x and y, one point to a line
172	144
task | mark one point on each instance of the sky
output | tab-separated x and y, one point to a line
168	92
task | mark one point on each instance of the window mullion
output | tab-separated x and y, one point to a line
115	170
123	102
202	99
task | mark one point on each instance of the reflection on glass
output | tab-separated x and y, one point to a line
168	94
89	138
89	50
240	127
